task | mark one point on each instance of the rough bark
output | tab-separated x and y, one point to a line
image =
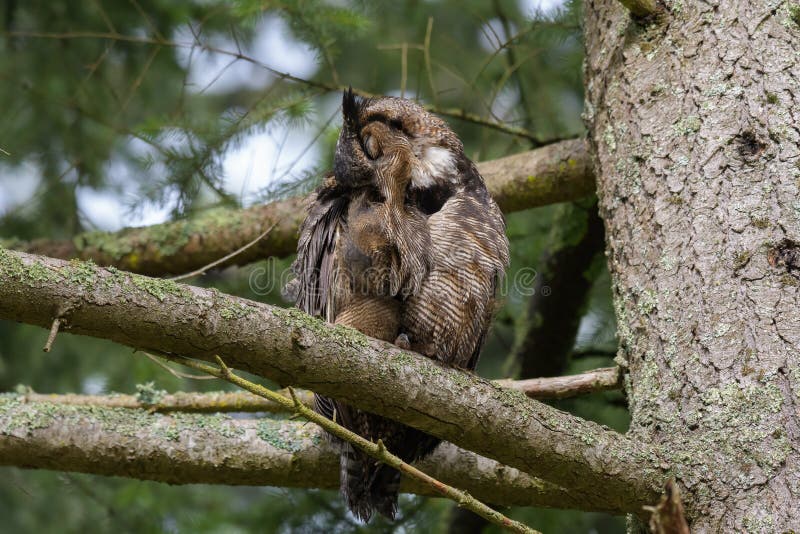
604	469
553	173
694	125
206	449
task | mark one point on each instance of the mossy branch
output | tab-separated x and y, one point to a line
255	452
604	469
554	173
376	450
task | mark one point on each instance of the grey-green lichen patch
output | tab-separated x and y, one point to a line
624	332
510	397
722	87
219	424
608	137
236	310
148	395
11	266
681	160
16	415
628	168
648	302
158	288
720	329
687	125
762	522
38	273
399	362
82	273
646	399
676	6
279	435
668	262
342	335
748	411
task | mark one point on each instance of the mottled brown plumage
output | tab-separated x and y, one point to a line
405	244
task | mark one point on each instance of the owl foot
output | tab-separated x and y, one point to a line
403	342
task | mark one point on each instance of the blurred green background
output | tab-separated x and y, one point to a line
122	113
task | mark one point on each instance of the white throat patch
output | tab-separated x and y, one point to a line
435	162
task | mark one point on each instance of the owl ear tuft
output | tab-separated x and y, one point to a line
350	110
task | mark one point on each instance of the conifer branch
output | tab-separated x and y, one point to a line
375	450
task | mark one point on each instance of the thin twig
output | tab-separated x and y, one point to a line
53	332
427	53
177	374
403	69
562	387
377	451
233	254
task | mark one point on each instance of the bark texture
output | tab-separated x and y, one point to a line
553	173
205	449
694	125
602	468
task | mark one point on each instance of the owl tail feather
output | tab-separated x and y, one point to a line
367	485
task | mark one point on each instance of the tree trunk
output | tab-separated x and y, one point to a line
693	121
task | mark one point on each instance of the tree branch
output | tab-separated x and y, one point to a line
258	452
554	173
376	450
605	469
562	387
558	387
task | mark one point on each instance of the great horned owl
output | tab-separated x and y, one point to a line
405	244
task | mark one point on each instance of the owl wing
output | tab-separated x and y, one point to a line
314	266
313	286
449	317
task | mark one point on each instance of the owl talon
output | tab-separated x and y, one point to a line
403	342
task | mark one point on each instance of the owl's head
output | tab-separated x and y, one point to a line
381	132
